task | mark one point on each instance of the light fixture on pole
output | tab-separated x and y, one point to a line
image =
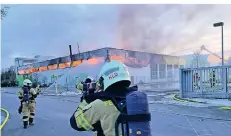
224	74
222	39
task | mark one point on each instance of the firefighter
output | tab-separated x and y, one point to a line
85	102
103	111
196	81
27	96
79	86
212	79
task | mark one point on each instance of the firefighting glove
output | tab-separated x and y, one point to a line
97	127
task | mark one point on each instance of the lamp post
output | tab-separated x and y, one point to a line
222	39
224	74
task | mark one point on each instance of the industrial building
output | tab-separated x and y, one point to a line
143	67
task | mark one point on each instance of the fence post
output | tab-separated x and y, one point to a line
201	83
224	82
181	83
190	80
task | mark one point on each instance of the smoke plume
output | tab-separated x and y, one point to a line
161	28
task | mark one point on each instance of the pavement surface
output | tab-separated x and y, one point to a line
53	113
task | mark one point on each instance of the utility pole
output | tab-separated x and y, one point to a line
107	59
70	54
78	48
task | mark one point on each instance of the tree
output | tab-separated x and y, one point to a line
196	59
4	11
8	78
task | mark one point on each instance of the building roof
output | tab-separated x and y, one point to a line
100	53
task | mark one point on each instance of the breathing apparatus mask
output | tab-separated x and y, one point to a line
89	88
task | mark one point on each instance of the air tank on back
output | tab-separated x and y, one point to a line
137	103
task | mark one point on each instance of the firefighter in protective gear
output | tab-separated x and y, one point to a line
27	96
84	102
103	111
87	80
80	86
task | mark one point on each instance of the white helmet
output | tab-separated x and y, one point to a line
113	72
27	82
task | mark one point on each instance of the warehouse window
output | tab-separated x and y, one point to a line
169	70
154	71
162	71
175	66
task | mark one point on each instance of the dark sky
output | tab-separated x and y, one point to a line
47	30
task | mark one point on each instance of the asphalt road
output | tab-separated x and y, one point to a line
53	113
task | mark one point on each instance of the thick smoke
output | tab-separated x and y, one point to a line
160	28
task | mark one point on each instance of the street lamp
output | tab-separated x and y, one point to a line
222	39
224	76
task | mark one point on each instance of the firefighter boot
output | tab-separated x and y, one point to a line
25	123
31	121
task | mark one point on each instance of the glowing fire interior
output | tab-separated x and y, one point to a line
91	61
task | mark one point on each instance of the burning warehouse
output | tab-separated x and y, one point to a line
143	67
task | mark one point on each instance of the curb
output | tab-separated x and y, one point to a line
225	108
178	99
185	100
6	119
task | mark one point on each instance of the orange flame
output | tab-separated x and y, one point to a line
76	63
29	70
64	65
20	72
118	58
35	70
92	61
95	60
52	67
42	68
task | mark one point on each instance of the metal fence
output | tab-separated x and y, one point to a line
207	82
